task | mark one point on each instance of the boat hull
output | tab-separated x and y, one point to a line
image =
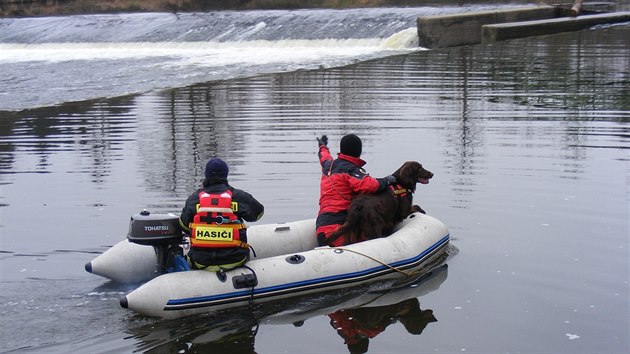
417	243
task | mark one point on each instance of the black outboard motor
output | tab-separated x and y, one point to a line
162	231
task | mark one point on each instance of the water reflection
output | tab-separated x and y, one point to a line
234	333
93	129
356	314
567	78
358	325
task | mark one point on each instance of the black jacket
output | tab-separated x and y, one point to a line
249	209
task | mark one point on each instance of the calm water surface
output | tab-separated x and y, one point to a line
528	140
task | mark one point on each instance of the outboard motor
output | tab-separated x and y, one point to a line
162	231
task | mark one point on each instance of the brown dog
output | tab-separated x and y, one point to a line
375	215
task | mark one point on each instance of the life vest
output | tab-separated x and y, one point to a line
216	225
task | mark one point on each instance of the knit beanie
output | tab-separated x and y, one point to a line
351	145
216	168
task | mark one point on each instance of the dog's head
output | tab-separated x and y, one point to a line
412	172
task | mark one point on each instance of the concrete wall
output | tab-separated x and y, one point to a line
461	29
498	32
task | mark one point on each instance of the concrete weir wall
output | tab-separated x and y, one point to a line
443	31
499	32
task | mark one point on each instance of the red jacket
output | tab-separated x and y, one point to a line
342	179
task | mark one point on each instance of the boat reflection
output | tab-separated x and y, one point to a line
356	314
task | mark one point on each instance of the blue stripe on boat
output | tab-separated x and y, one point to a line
203	301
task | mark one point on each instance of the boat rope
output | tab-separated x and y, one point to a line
251	295
410	274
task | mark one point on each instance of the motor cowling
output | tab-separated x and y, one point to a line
154	229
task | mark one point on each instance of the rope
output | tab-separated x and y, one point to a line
376	260
251	295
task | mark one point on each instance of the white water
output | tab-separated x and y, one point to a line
212	53
51	73
52	60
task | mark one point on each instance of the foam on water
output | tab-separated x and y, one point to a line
47	61
222	53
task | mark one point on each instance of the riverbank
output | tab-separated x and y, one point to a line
29	8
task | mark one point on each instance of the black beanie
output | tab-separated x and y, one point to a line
217	167
351	145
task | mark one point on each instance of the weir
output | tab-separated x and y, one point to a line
442	31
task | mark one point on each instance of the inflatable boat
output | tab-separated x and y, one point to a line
230	329
287	263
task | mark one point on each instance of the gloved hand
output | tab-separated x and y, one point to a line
323	140
390	179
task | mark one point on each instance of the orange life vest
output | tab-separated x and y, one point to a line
216	225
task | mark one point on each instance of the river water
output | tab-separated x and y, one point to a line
102	116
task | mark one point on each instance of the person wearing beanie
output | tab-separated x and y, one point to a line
216	168
342	179
351	145
214	217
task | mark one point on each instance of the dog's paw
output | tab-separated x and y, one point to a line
416	208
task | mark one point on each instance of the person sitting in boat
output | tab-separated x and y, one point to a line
342	179
214	217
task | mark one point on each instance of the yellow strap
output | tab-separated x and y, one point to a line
216	268
236	226
235	243
213	210
401	191
243	244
